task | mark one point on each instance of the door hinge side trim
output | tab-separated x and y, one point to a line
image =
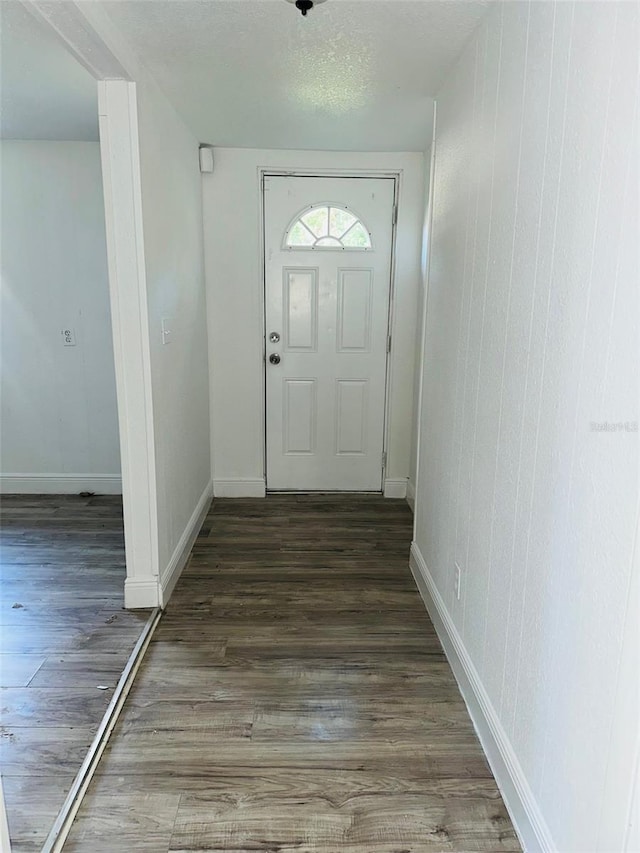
384	459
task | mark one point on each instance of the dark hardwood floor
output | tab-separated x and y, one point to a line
63	633
295	697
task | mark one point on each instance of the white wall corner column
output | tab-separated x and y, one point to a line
127	283
155	263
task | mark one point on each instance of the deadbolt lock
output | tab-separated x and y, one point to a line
274	337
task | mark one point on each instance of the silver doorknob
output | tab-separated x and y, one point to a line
274	337
274	358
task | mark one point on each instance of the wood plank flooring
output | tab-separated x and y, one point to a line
63	632
295	698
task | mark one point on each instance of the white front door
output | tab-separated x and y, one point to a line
328	269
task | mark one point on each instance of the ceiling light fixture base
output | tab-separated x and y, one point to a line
305	5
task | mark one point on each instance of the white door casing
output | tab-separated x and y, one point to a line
329	305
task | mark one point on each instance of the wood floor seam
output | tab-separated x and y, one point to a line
28	684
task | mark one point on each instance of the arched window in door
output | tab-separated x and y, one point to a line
328	226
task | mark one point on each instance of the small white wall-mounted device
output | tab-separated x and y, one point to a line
206	158
68	337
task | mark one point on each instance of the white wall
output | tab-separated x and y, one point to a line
532	337
154	238
58	404
235	304
173	253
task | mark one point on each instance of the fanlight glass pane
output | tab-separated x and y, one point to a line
341	221
328	227
317	221
357	237
300	236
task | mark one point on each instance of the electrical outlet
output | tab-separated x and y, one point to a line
68	337
167	332
457	583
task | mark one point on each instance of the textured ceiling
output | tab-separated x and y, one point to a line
352	75
45	93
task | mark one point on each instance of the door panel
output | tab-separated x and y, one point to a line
354	310
351	416
327	267
301	309
299	416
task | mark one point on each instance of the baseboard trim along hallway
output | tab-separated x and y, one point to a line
239	488
396	487
516	792
173	570
60	484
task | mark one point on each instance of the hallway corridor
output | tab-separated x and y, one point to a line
295	697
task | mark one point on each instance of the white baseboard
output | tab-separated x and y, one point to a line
524	811
5	843
59	484
171	573
411	495
141	593
239	488
396	488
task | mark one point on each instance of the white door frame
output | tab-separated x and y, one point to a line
396	176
